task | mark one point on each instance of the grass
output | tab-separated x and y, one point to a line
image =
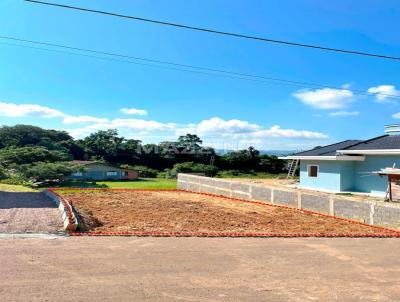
16	188
141	183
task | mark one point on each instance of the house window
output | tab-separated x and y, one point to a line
112	173
77	174
313	171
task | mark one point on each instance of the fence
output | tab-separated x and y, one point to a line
371	212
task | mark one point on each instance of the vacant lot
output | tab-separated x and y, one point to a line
174	211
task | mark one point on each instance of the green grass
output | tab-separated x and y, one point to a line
141	183
15	188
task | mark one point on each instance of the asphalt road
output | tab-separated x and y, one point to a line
199	269
28	212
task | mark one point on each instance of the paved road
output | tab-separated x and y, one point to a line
200	269
22	212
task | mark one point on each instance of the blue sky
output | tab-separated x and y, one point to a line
83	94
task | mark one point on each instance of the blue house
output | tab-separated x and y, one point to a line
351	165
92	170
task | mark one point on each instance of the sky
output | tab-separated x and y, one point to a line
82	94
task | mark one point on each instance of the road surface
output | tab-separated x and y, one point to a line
199	269
26	212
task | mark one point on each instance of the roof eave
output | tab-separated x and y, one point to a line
371	152
331	158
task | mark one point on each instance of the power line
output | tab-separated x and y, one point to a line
219	32
176	66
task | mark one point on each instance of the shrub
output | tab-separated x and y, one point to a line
144	171
191	167
11	157
3	174
42	171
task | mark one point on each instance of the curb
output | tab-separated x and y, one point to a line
70	222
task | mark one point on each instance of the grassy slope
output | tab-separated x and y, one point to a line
142	183
14	188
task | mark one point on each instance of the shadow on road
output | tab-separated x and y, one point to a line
10	200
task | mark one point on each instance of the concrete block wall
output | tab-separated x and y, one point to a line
371	212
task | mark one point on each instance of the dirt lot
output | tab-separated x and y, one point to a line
121	211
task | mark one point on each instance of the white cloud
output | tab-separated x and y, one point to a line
396	115
344	113
383	92
70	119
219	127
325	98
38	111
278	132
238	129
15	110
134	111
139	124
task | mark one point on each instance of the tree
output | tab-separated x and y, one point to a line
143	171
17	156
103	144
272	164
189	141
42	171
243	160
26	135
191	167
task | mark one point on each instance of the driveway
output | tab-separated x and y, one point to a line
22	212
200	269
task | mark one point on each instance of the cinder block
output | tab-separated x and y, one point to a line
350	209
237	186
181	185
261	193
387	215
206	181
223	192
207	189
288	198
225	184
193	187
188	177
241	195
317	203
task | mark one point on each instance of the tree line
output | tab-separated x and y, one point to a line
30	153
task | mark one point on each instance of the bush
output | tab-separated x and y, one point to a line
11	157
42	171
3	174
191	167
144	171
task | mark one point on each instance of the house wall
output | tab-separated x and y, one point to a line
347	181
373	184
348	176
328	175
99	172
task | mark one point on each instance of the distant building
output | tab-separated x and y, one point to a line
98	171
352	165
